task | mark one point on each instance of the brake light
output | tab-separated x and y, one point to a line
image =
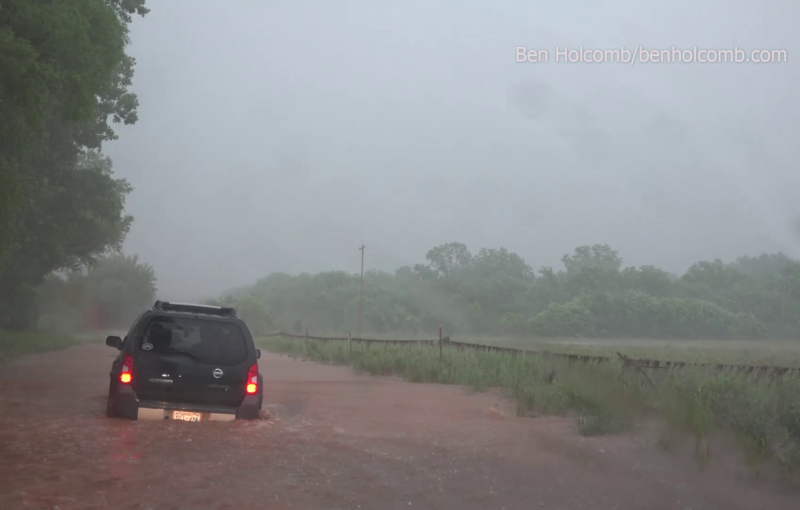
126	374
252	380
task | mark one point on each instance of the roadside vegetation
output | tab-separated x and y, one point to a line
15	344
107	295
745	312
753	353
763	414
496	293
64	84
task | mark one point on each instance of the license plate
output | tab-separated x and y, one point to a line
184	416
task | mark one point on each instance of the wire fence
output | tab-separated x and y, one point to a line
445	342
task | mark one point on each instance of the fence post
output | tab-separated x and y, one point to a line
440	342
306	339
629	363
350	343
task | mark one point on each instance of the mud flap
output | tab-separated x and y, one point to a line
126	405
249	408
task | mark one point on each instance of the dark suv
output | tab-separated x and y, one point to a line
185	362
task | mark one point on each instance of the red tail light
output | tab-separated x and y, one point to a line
126	374
252	380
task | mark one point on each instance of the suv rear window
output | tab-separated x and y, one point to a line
205	341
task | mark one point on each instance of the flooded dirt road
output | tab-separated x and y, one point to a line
335	441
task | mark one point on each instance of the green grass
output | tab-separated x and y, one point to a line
732	352
763	414
14	345
785	353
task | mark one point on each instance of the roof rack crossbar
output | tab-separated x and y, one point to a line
166	306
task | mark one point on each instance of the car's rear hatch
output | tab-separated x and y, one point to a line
191	361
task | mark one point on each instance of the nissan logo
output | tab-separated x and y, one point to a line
217	373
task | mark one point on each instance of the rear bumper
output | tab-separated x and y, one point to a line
148	413
130	407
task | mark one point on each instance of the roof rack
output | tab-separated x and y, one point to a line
166	306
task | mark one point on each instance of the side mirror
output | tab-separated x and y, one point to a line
114	341
258	353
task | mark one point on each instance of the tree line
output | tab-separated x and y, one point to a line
64	78
496	293
64	84
110	294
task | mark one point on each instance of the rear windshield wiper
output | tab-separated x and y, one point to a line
183	353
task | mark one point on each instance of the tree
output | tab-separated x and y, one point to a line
62	66
495	292
109	294
449	258
713	277
593	279
119	288
64	76
251	310
418	272
648	279
598	255
502	263
768	267
74	218
494	285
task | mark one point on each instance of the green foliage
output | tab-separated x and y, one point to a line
599	256
328	302
74	217
447	259
496	293
109	295
635	314
571	319
64	78
14	345
252	311
63	67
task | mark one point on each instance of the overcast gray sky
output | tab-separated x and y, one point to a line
280	135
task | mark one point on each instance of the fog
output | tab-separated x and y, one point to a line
279	136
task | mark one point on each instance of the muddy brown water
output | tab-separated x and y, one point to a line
335	440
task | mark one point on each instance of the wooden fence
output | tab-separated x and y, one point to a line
627	363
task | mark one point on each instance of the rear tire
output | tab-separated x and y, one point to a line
111	404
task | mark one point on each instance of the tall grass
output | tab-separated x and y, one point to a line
764	414
734	352
14	345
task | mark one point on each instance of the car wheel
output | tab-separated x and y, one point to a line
111	405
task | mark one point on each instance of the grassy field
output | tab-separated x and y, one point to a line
784	353
14	345
733	352
763	414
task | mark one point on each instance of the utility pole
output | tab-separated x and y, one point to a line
361	293
783	303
